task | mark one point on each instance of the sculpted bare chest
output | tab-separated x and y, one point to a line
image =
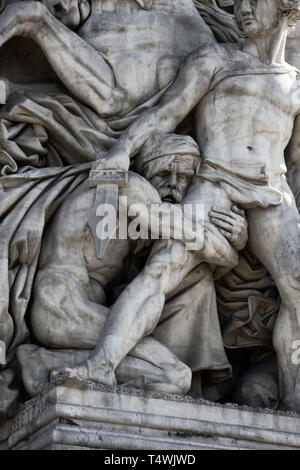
261	89
248	114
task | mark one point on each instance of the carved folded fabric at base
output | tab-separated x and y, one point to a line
253	327
248	304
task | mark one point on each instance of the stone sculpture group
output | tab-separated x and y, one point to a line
163	104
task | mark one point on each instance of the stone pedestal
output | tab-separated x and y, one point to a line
96	417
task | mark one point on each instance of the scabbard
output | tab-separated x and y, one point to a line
106	184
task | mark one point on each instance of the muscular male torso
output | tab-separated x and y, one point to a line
249	117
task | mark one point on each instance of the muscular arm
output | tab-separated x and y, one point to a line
78	65
191	84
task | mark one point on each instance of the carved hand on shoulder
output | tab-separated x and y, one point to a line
232	224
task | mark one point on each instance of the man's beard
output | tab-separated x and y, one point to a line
170	195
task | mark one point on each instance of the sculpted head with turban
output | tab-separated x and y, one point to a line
169	161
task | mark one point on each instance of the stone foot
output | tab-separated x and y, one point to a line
88	370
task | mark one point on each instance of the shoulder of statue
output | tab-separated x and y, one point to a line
213	54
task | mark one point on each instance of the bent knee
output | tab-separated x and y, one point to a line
62	317
287	275
49	329
289	286
52	330
291	281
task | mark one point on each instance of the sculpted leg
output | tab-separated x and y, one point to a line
150	366
68	325
275	239
62	315
114	340
137	311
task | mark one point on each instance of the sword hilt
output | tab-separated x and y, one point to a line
118	177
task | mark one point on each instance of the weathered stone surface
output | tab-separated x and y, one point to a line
98	417
149	223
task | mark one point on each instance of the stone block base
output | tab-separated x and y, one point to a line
86	416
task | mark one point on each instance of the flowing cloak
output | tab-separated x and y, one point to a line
248	305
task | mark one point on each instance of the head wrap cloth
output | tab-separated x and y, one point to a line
160	150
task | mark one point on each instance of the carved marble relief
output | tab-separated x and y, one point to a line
150	233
